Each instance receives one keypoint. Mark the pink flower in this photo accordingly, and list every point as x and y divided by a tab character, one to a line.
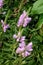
24	19
21	47
22	44
20	50
29	47
27	20
22	38
26	53
18	37
1	3
20	22
24	50
15	36
5	26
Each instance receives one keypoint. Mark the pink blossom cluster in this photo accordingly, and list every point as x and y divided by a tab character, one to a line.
23	19
1	3
5	26
18	37
24	50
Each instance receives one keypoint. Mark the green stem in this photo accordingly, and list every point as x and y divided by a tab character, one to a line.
21	30
15	45
0	11
21	4
28	11
20	61
7	16
35	30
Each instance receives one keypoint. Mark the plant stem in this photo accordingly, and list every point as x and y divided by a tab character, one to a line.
20	61
28	11
7	16
35	30
21	4
14	46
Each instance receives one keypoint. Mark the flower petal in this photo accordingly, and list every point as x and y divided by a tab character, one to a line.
21	19
22	38
21	45
19	50
29	47
1	3
15	36
25	54
26	21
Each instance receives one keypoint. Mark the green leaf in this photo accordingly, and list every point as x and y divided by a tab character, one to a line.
37	7
40	22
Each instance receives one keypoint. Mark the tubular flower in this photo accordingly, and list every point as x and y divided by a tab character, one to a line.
1	3
5	26
24	50
23	20
18	37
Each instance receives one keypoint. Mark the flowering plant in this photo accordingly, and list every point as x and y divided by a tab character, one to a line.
21	32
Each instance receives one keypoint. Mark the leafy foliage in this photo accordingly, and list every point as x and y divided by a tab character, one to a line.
37	7
33	32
